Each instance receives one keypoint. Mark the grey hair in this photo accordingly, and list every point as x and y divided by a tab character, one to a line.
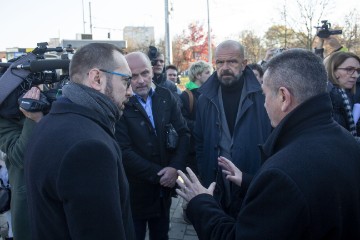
300	71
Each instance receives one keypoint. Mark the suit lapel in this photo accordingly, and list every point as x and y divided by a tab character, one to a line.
158	103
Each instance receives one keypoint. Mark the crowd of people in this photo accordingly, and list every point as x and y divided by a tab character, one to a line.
266	150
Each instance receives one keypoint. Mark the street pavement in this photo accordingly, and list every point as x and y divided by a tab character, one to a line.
179	230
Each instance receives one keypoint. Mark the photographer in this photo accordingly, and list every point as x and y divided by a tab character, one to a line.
328	45
325	40
14	137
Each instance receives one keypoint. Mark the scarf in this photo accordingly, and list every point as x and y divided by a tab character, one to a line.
93	99
348	110
191	85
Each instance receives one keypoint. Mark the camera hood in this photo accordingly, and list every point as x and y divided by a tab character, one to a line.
13	77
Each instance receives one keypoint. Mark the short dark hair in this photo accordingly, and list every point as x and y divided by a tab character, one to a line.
99	55
300	71
257	67
173	67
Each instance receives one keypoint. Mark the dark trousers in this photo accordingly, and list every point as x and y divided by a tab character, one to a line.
158	226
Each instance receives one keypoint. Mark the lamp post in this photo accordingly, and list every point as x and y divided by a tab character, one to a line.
209	37
168	48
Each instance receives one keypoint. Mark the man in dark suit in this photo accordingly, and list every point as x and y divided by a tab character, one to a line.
309	184
150	165
77	188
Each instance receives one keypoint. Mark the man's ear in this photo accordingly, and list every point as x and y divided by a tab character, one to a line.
94	79
287	100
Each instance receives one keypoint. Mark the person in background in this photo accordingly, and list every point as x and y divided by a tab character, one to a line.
230	121
328	46
158	64
4	177
172	75
77	187
270	53
151	117
343	69
258	71
292	195
14	136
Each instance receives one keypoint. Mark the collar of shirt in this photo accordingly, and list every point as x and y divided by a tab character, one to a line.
147	105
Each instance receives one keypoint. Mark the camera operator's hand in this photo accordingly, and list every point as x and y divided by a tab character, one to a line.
331	42
33	93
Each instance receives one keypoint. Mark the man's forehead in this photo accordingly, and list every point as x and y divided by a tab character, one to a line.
161	56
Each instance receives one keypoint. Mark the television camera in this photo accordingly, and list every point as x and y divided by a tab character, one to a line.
33	69
324	30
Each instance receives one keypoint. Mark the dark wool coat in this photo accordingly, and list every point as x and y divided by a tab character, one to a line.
251	129
145	154
308	188
77	188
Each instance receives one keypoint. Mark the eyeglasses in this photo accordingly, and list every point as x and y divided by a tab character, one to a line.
127	78
351	70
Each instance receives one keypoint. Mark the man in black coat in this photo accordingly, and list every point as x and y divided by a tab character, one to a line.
77	188
150	166
309	185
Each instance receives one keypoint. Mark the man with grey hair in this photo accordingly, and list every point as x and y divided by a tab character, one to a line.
309	184
231	121
77	188
151	165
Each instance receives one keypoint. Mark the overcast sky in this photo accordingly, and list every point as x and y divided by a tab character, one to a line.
27	22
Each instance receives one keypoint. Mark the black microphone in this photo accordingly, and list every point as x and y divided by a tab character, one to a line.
42	65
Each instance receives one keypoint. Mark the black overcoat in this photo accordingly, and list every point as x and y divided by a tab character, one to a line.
308	187
77	188
144	150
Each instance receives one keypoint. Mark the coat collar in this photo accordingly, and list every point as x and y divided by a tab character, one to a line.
64	105
312	113
210	87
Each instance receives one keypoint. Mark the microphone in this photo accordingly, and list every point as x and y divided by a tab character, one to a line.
6	65
42	65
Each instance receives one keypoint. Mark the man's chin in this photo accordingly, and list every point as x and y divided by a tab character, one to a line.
227	81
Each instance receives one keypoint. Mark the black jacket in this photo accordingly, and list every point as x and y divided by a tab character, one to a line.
308	187
77	188
145	153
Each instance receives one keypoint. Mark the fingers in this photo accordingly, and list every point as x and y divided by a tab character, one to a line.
192	175
181	194
184	177
33	93
211	188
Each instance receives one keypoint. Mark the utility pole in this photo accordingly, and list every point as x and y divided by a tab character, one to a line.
90	17
209	35
83	15
168	47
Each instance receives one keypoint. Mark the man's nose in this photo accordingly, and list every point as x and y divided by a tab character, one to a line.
129	91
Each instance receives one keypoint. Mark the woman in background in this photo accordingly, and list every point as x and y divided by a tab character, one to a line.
343	69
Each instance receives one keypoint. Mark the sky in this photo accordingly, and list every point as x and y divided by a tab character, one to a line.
27	22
